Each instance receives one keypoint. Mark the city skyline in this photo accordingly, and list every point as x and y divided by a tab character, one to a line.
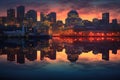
50	25
61	49
86	9
59	39
15	12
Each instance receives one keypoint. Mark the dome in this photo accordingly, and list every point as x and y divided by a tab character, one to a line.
73	13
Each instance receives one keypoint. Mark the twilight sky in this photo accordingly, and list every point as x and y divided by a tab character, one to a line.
88	9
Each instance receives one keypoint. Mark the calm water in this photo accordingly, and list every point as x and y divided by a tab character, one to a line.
89	58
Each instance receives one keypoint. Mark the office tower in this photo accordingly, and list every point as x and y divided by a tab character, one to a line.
11	14
20	58
105	18
43	17
95	21
31	15
105	55
114	22
10	56
20	13
52	17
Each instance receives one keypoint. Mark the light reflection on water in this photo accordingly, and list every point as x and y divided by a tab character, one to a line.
67	58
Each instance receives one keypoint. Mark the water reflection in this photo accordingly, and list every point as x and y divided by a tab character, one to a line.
60	49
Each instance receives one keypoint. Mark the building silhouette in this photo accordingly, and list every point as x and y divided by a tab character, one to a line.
43	17
21	57
72	52
10	15
49	48
20	13
31	55
3	20
105	55
10	56
105	18
31	16
96	22
51	54
72	19
114	22
52	17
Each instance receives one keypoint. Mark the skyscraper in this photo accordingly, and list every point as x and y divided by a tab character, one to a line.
20	13
95	21
43	17
105	18
11	56
20	57
105	55
3	20
11	14
114	22
52	17
31	15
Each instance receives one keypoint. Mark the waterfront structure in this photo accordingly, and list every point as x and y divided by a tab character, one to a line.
13	31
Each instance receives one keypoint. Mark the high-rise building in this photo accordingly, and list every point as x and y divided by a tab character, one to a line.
95	21
31	15
114	22
105	18
52	17
3	20
20	13
105	55
43	17
10	56
11	14
20	57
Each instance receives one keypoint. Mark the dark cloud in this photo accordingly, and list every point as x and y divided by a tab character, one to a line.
77	4
62	4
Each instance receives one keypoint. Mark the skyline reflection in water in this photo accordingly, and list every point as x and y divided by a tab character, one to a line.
69	55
